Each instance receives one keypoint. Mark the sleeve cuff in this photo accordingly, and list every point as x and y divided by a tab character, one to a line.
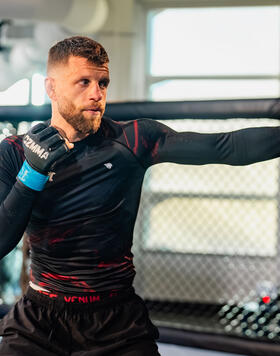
31	178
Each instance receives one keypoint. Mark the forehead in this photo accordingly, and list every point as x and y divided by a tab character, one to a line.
79	66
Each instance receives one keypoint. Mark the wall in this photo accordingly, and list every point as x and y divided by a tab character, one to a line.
123	36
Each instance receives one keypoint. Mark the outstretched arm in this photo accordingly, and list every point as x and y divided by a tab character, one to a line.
241	147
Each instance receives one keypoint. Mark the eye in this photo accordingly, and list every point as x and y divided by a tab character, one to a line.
84	81
104	83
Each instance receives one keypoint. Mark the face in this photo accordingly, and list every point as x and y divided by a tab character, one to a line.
79	93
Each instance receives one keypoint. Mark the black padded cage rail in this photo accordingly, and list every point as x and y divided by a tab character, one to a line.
208	109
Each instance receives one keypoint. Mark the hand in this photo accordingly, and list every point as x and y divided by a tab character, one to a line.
43	146
62	133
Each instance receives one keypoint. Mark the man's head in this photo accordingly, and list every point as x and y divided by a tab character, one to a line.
77	80
77	46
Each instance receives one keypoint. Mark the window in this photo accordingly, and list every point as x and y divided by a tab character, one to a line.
16	94
213	53
23	90
38	94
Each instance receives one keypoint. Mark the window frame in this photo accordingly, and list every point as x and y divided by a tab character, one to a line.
155	6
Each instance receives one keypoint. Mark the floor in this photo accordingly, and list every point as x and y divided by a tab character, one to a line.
173	350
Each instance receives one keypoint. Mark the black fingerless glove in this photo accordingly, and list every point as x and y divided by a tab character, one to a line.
43	146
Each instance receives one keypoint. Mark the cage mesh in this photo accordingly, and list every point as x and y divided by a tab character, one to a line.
206	243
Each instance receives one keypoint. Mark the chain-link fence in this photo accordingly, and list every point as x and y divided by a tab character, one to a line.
206	242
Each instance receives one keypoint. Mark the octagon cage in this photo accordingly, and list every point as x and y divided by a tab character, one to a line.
206	240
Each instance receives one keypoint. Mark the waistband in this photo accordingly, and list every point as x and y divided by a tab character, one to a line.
89	300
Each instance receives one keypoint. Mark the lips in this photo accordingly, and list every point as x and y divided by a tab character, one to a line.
92	109
94	112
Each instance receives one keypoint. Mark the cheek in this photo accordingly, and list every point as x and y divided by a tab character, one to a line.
71	100
104	98
62	95
65	104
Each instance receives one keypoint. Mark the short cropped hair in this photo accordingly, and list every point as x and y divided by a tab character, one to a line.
78	46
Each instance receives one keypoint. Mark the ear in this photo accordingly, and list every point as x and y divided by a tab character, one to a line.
50	88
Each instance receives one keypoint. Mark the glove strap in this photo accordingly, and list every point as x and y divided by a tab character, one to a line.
31	178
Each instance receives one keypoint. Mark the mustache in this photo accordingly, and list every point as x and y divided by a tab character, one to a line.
95	108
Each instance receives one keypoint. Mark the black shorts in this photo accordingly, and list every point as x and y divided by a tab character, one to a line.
39	325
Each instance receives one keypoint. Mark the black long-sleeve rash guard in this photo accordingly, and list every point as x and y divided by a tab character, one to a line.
80	226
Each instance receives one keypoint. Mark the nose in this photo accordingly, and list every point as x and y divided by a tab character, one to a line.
95	92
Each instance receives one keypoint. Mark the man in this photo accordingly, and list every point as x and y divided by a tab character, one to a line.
73	185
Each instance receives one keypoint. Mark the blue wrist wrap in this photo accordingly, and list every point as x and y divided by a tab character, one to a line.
31	178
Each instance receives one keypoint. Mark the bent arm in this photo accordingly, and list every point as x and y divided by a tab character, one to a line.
241	147
16	199
15	208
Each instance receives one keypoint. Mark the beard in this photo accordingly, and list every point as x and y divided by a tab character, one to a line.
75	117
